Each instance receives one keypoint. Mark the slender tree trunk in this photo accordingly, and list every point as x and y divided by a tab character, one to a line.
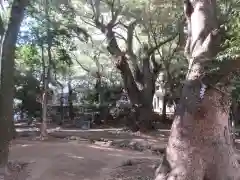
61	107
70	102
232	119
99	89
44	110
7	80
22	111
45	75
164	109
200	147
45	95
102	109
48	77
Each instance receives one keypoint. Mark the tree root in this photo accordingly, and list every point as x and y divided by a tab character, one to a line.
163	169
195	171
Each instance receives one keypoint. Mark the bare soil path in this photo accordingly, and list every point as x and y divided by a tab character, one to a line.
69	155
64	160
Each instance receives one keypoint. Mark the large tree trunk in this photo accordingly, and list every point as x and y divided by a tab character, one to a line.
144	118
199	147
145	106
141	99
7	80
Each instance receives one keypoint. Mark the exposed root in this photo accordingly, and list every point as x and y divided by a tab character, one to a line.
196	170
162	172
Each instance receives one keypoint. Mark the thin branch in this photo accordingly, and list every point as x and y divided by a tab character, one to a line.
96	15
122	24
171	54
114	11
225	17
155	41
111	4
130	35
80	64
153	30
136	36
120	36
153	49
225	70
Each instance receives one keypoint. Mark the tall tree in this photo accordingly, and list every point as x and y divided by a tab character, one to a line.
199	146
139	66
51	31
47	72
9	36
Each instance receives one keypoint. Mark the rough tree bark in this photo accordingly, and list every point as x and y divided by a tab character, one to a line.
7	80
199	147
142	99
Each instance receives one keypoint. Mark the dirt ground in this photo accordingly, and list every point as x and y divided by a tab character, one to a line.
71	160
119	138
73	154
99	154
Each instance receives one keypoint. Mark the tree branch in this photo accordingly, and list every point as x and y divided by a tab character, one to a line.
130	35
114	12
96	15
171	54
153	49
133	57
113	47
118	35
80	64
128	79
138	39
79	30
224	71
